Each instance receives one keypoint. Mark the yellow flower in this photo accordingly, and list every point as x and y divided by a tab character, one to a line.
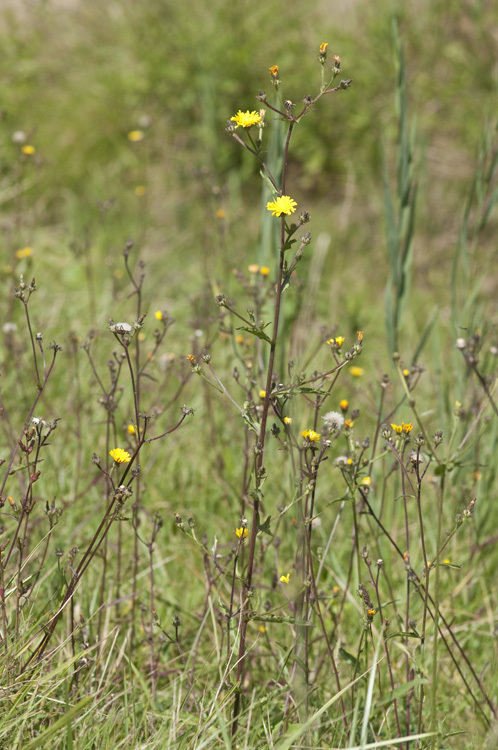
398	428
136	135
24	253
407	428
242	532
274	71
360	335
158	315
120	456
370	612
349	423
367	481
220	213
239	339
406	372
264	270
344	404
447	561
323	49
339	340
262	393
311	435
140	190
285	579
253	268
28	150
131	429
262	629
356	372
287	420
246	119
282	205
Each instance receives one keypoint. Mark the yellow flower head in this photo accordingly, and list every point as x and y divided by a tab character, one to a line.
447	561
242	532
158	315
24	253
407	428
344	404
360	335
274	71
220	213
253	268
311	435
398	428
246	119
262	629
264	270
239	339
285	579
366	481
349	423
131	429
136	135
287	420
406	372
356	372
28	150
262	393
140	190
323	49
339	340
282	205
120	456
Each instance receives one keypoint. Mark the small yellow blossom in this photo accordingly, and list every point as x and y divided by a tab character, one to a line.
406	427
370	612
253	268
140	190
406	373
246	119
311	435
344	404
429	563
398	428
360	335
285	579
239	339
323	49
350	460
476	475
283	204
264	270
274	71
158	315
120	456
367	481
131	429
447	561
220	213
339	340
287	420
262	393
11	500
242	532
135	136
28	150
356	372
349	423
262	629
191	359
25	252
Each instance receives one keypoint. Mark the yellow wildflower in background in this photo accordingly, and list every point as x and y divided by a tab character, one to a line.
344	404
349	423
242	532
262	393
220	213
239	339
288	420
323	49
397	428
285	579
274	71
311	435
136	135
246	119
253	268
366	481
356	372
140	190
120	456
158	315
131	429
25	252
282	205
264	270
28	150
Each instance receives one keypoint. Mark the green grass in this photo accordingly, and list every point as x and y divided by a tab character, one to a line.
155	597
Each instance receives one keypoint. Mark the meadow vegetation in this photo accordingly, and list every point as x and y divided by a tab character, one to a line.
248	360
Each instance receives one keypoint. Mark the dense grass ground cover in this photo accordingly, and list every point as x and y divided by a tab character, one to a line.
143	619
